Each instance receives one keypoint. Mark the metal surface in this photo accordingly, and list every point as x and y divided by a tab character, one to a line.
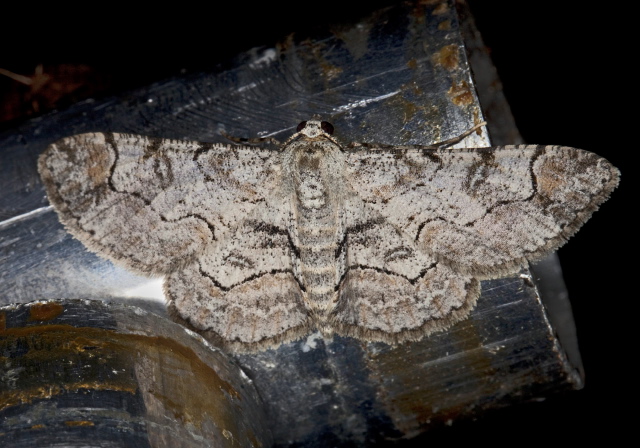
79	372
400	75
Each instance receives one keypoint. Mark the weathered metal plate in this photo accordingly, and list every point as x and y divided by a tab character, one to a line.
80	372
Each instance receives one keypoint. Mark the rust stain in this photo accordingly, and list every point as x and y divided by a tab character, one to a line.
412	63
409	109
79	423
197	392
442	8
356	38
448	57
38	426
418	11
445	25
45	311
330	71
315	51
425	396
460	94
29	394
253	439
3	321
404	105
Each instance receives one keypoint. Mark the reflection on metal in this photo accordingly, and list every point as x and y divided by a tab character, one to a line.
400	75
80	371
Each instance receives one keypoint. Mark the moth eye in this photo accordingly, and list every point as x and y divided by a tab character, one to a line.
301	126
327	127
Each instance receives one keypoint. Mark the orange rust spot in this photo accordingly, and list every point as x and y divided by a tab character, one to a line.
38	426
316	50
442	8
45	311
79	423
330	71
460	94
412	63
444	25
418	10
3	321
448	57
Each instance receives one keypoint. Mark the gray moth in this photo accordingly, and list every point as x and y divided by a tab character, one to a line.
261	246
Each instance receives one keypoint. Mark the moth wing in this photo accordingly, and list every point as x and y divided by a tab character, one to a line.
483	211
153	205
245	292
392	290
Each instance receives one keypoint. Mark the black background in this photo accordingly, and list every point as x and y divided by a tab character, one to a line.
566	73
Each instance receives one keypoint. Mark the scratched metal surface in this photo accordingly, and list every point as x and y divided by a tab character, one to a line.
85	373
400	75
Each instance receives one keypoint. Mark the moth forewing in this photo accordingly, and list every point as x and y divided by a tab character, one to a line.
380	243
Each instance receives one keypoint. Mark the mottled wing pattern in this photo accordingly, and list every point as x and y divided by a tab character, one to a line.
483	211
392	290
244	290
415	229
154	205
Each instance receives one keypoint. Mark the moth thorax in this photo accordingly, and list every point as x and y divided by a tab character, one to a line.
311	182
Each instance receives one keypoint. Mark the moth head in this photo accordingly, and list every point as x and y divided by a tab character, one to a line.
315	128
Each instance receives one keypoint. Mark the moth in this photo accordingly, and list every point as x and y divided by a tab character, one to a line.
261	246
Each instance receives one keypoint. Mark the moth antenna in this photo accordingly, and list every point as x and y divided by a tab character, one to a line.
250	141
459	138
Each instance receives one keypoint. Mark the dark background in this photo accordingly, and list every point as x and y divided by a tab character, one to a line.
564	74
